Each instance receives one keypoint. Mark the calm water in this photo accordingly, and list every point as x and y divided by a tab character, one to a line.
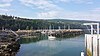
58	47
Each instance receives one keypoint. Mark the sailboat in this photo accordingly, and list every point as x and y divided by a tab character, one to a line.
50	31
50	37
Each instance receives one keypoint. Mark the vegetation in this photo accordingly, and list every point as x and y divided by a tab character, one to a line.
89	53
15	23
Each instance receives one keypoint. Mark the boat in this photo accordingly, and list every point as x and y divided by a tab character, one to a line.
50	37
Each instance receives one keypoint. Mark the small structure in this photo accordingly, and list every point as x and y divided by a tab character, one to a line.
92	42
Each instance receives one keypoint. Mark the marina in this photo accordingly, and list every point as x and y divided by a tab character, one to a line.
49	27
13	43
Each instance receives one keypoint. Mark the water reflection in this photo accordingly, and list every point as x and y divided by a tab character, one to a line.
31	40
41	46
44	37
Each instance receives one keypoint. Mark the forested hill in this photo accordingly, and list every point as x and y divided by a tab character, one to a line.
15	23
72	21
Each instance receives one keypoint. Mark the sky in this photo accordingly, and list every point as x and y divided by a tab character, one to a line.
52	9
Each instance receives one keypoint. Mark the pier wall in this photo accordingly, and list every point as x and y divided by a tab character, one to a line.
92	44
53	32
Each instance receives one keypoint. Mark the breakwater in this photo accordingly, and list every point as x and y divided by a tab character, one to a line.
9	44
56	32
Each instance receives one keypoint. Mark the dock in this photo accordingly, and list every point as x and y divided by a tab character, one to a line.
92	41
55	32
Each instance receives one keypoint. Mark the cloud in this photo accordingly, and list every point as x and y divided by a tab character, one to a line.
40	4
5	5
49	9
5	10
64	1
49	15
75	1
68	15
96	10
81	16
6	1
90	2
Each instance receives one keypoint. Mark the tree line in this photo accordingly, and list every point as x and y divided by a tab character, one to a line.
15	23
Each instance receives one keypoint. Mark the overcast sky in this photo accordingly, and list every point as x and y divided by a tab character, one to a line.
58	9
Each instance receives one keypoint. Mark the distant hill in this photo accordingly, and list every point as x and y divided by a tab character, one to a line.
71	21
15	23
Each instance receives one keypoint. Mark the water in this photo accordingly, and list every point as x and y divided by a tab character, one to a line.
58	47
